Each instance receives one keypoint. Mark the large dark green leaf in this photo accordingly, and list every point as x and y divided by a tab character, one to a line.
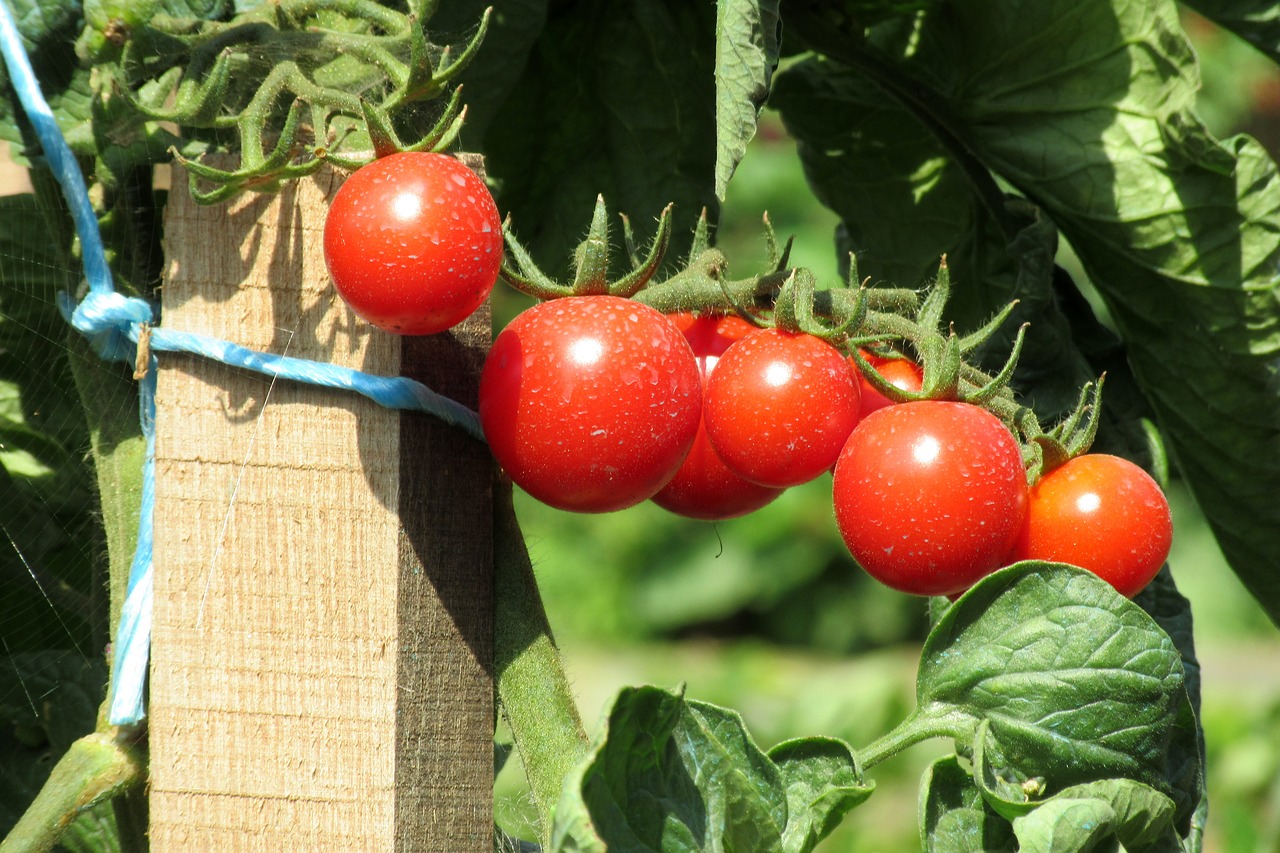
1074	683
487	82
617	99
49	29
674	775
1085	108
904	201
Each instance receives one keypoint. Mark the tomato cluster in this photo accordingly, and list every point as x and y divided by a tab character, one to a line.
595	403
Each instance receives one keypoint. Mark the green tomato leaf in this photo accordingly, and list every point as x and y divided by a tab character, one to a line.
671	774
1141	818
616	99
746	53
1173	613
1074	682
823	784
1110	814
904	201
48	29
953	816
514	27
868	12
1144	816
1067	826
45	484
1085	107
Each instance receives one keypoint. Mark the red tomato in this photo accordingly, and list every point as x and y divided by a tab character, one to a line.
590	403
413	242
930	496
779	406
704	488
901	373
1101	513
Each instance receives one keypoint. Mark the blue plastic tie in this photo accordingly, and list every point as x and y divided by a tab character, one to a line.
114	324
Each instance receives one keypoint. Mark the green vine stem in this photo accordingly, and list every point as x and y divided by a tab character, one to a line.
915	729
533	690
97	767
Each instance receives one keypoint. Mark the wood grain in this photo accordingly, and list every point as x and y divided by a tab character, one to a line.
321	665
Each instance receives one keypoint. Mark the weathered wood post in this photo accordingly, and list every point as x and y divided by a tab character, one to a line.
322	657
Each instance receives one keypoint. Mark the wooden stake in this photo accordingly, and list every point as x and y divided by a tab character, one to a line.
322	656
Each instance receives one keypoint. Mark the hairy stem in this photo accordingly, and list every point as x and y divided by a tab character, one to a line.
915	729
97	767
533	691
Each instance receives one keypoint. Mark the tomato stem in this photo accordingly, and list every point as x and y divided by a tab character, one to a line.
96	768
532	689
916	728
204	73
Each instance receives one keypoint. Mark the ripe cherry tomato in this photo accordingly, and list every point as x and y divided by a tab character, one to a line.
590	403
930	496
413	242
1101	513
704	488
901	373
779	406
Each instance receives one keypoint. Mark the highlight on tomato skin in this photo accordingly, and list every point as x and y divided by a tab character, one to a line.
413	242
1101	513
704	488
930	496
590	403
780	406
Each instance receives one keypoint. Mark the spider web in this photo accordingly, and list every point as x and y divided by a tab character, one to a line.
54	604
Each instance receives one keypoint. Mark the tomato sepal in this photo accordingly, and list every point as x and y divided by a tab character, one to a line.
590	262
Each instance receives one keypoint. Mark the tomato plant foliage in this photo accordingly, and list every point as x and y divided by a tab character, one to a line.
988	131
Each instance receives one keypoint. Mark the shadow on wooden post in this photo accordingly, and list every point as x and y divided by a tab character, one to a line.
322	656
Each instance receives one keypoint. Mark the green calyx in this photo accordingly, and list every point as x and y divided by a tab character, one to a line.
219	82
855	318
1071	437
591	261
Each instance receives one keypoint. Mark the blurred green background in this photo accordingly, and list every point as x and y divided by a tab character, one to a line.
768	614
